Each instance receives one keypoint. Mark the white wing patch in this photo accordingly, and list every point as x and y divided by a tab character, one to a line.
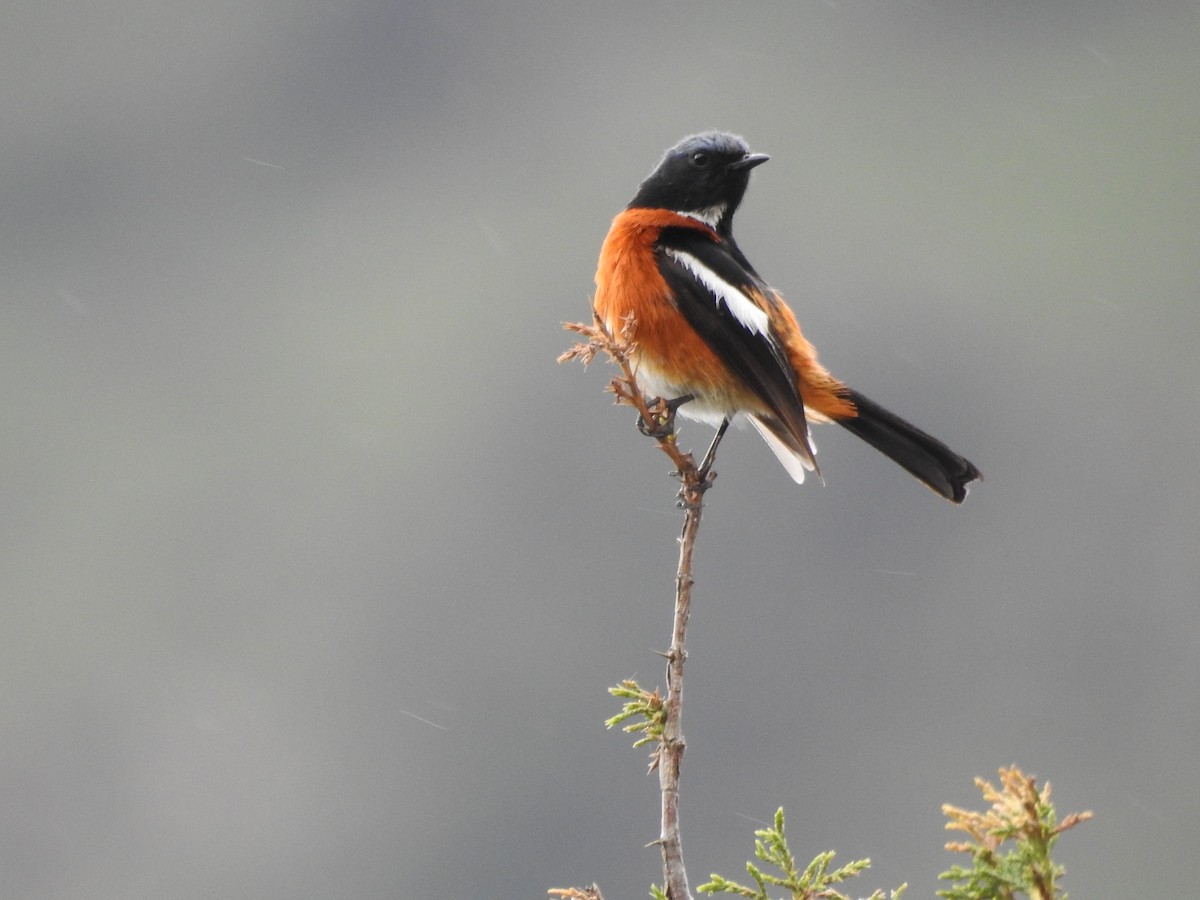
744	309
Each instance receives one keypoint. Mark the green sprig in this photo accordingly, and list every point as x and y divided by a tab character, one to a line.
771	847
641	703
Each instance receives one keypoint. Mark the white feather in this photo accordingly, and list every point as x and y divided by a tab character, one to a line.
744	309
792	461
654	383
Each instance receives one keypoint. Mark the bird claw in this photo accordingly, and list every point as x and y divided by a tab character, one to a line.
662	415
704	482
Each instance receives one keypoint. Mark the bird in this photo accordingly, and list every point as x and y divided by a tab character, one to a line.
713	341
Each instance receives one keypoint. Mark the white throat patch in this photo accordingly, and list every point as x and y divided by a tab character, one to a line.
710	216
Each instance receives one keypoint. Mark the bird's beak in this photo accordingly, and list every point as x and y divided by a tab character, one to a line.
749	161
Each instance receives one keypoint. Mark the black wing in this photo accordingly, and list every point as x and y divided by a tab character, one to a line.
716	294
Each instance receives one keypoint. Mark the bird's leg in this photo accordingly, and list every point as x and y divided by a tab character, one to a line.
710	455
704	474
662	424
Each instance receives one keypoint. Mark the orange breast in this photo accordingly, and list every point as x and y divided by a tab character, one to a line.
670	355
628	283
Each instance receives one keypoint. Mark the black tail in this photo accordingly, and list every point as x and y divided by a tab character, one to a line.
931	461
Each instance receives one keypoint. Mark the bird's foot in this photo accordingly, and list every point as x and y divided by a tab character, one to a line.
662	416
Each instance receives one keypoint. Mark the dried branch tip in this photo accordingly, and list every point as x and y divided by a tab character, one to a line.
588	893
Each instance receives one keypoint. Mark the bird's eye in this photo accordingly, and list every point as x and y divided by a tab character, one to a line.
700	159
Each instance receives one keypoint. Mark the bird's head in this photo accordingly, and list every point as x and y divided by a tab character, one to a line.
703	176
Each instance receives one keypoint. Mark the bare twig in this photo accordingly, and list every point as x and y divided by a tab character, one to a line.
670	752
695	481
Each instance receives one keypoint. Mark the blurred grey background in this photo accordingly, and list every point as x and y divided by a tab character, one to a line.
316	566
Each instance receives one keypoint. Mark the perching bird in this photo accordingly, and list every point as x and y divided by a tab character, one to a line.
714	340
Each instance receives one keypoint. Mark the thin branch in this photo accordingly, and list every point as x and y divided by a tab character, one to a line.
670	752
668	756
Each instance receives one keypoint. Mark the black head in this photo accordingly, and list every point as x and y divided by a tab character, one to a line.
704	176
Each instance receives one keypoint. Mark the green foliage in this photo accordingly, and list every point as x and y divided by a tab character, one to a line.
641	703
1010	843
771	848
